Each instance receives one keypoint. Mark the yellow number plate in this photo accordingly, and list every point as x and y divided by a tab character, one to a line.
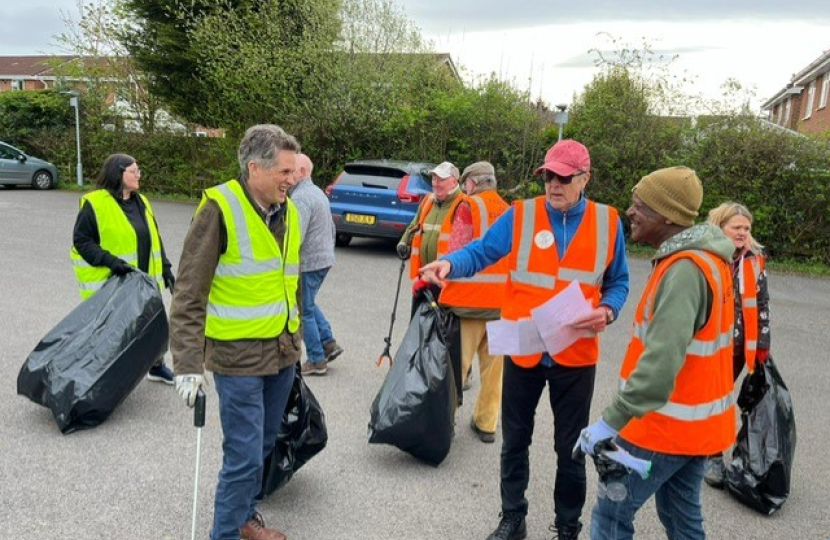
360	218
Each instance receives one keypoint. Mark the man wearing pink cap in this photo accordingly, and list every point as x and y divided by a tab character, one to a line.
550	241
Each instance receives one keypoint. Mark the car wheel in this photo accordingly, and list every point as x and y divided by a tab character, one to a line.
42	180
342	239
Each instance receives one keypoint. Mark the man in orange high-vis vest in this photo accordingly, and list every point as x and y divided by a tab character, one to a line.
549	242
674	406
478	299
439	221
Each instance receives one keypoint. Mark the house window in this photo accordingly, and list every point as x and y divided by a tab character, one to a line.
17	84
825	88
787	112
811	95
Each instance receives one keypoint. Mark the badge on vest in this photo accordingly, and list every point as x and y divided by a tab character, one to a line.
543	239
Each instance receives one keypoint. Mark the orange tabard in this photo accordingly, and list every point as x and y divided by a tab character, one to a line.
699	418
484	290
750	270
536	273
444	232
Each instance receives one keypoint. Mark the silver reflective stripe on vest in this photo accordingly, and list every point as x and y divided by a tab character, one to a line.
91	285
292	270
483	214
750	302
696	346
540	279
692	413
431	227
246	312
247	266
482	278
751	344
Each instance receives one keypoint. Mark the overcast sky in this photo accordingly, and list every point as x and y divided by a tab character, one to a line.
542	45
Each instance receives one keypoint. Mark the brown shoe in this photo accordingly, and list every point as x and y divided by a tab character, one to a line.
314	369
255	529
332	350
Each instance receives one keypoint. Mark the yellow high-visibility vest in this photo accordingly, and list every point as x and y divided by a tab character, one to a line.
253	294
119	238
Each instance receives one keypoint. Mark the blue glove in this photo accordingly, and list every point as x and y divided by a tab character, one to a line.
591	435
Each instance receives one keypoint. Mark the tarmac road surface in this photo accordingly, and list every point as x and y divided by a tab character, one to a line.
132	476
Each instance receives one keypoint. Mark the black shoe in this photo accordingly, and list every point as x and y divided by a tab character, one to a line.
511	527
714	472
564	532
483	436
161	373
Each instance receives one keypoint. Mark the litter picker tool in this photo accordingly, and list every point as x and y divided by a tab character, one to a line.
199	422
385	355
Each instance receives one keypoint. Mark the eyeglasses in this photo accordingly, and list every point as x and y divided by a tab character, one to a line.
135	171
549	176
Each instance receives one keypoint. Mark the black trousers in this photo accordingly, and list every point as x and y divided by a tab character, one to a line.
570	390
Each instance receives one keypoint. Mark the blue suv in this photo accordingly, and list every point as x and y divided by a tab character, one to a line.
377	198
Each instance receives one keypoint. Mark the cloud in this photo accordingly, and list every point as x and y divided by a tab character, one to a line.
481	15
29	30
659	56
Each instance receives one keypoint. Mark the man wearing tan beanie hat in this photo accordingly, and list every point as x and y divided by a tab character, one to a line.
675	404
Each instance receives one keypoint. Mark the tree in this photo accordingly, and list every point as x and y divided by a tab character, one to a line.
112	84
158	39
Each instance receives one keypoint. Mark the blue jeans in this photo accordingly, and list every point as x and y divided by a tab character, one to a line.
316	329
251	410
675	483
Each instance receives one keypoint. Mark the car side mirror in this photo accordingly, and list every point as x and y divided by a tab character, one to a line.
22	158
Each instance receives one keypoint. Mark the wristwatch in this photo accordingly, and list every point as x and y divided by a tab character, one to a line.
609	315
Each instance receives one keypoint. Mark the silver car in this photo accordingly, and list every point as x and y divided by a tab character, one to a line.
20	169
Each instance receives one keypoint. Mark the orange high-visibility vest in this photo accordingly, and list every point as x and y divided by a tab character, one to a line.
699	417
748	274
484	290
536	272
444	232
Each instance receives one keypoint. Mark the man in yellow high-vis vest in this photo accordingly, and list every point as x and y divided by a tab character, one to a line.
235	311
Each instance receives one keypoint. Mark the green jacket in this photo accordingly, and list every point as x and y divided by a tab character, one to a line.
681	308
436	216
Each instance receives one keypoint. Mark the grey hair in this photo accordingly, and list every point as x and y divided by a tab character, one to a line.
483	181
261	145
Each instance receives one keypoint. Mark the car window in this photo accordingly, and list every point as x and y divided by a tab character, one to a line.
418	183
372	177
7	153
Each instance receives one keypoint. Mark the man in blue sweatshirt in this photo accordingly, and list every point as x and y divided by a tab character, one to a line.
550	241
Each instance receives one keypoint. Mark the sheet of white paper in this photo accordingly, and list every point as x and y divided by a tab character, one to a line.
553	319
513	337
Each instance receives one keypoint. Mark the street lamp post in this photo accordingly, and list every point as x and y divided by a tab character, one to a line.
561	117
73	102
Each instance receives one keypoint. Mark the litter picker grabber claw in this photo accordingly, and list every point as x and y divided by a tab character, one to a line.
385	355
199	422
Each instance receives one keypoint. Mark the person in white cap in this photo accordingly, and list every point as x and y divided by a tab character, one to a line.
442	223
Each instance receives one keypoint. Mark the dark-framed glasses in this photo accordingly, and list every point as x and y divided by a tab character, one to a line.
549	176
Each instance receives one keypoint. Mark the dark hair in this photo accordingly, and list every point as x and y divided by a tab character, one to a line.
112	171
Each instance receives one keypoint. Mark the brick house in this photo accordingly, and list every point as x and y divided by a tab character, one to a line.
804	104
29	72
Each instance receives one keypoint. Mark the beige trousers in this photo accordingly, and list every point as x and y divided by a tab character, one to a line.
488	403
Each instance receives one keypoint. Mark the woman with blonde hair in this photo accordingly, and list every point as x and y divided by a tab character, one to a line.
752	335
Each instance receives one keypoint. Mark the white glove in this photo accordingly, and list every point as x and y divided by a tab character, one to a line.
188	385
591	435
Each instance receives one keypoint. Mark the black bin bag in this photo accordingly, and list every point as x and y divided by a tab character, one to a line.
759	474
415	406
302	436
91	361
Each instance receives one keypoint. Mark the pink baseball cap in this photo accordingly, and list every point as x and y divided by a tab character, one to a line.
565	158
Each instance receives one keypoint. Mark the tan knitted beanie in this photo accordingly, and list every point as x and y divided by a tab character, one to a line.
675	193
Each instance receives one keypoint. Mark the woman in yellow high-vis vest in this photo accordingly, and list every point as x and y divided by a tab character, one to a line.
749	278
116	232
